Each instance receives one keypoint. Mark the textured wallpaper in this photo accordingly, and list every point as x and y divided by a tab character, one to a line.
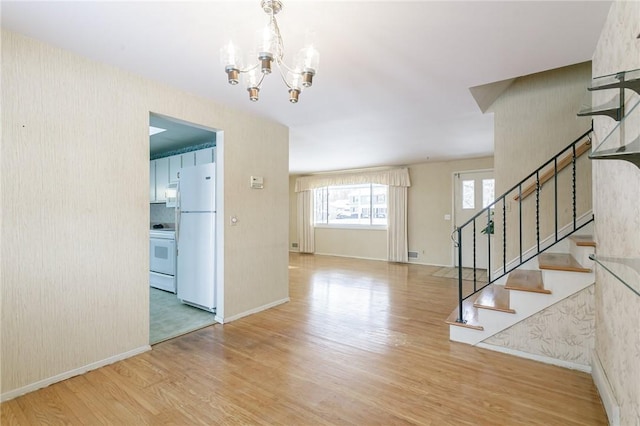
563	331
617	212
85	299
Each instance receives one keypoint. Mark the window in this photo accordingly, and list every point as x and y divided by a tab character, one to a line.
364	204
468	194
488	191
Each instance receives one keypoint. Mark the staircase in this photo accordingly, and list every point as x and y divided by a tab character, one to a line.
552	269
541	282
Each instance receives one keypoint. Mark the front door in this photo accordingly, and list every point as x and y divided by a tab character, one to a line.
472	192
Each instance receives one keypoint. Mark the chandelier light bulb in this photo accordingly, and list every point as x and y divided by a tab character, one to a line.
253	79
308	60
270	56
230	56
294	81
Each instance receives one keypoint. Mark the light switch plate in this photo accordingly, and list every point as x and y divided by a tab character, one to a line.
257	182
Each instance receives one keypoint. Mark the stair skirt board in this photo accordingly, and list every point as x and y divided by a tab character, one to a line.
562	285
536	357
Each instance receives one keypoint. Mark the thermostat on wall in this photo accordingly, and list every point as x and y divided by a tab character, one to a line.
257	182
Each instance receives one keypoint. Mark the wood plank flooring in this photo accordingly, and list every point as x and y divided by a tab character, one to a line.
361	343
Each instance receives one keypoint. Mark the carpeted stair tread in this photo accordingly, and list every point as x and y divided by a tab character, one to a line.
470	315
496	298
560	262
526	280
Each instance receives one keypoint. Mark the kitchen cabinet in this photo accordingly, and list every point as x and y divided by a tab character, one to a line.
152	181
162	178
188	159
205	156
175	164
163	171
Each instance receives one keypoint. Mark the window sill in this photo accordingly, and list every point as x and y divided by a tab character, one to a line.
352	226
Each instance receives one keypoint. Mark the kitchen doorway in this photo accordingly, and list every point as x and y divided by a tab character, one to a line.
173	146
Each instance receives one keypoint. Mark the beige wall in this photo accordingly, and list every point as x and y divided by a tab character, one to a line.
362	243
617	209
534	119
430	197
75	209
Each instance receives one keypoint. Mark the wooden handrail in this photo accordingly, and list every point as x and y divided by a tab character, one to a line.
550	172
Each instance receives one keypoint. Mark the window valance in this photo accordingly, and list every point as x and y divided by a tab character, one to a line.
391	177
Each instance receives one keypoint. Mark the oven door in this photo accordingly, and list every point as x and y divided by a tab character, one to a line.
162	256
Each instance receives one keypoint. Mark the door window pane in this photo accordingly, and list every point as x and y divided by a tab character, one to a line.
488	191
468	194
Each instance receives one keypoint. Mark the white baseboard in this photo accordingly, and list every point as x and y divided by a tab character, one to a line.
534	357
71	373
251	311
351	257
415	262
605	391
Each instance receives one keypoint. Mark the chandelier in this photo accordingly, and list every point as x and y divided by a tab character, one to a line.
270	50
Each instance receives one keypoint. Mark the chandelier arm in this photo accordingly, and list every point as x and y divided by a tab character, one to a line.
259	85
282	76
293	70
246	70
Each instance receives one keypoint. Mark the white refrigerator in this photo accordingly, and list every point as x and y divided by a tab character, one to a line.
195	236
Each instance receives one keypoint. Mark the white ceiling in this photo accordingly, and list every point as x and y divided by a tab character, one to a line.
393	82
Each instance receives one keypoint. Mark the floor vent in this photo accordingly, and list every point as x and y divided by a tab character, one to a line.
294	245
413	255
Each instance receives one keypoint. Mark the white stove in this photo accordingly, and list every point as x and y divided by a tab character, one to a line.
162	259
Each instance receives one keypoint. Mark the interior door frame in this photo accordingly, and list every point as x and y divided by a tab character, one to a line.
453	205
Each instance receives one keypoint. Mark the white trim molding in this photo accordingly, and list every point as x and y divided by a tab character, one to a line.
71	373
534	357
604	389
251	311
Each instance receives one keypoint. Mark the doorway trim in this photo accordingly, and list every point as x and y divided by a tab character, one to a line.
453	205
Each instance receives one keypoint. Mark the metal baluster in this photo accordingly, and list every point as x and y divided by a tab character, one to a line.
573	178
460	311
504	235
474	256
538	210
520	218
488	248
555	187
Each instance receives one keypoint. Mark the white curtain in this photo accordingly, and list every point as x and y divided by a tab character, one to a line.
391	177
306	240
397	245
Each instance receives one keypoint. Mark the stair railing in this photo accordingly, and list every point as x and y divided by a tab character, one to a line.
531	184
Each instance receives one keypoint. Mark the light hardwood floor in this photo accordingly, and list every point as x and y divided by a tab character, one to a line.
361	342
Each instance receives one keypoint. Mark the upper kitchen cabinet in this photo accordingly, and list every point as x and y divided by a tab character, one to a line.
175	164
188	159
163	171
162	179
204	156
152	181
